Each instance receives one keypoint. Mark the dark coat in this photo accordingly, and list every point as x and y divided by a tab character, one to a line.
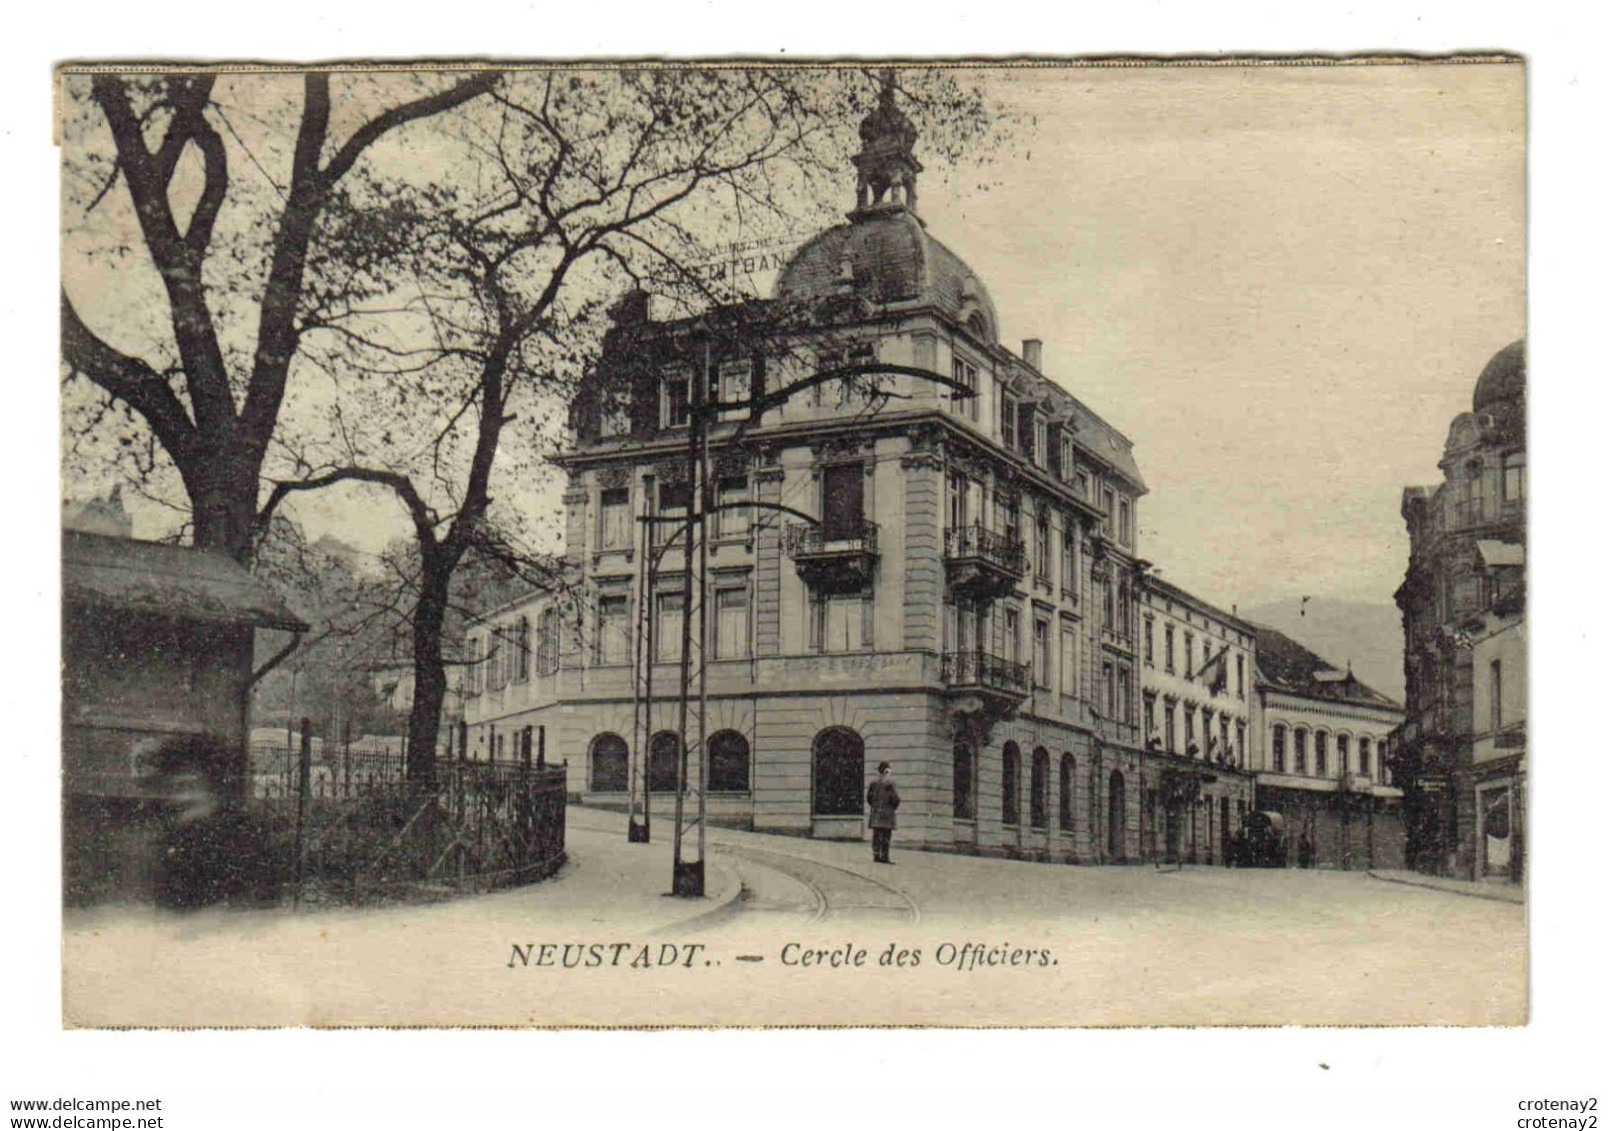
883	797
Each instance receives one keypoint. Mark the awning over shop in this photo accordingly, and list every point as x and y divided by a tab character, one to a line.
1495	553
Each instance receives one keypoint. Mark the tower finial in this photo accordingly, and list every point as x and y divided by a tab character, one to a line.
886	163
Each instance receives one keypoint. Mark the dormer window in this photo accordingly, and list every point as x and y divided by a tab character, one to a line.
673	404
1007	421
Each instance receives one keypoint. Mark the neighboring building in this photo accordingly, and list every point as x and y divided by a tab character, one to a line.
99	516
967	608
1321	757
1197	665
156	642
1460	754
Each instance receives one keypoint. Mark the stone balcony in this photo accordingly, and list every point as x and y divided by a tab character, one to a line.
983	564
1005	682
837	560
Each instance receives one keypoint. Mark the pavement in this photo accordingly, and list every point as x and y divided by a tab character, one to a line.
1502	892
799	931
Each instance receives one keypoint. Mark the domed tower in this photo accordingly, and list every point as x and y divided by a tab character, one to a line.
884	254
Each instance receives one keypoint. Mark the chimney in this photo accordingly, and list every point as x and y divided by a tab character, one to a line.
1033	353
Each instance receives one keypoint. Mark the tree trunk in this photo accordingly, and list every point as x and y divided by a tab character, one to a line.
222	486
429	672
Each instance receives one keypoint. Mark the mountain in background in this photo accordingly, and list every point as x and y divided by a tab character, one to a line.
1365	634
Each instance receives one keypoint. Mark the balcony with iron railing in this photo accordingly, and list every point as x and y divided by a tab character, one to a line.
983	673
983	564
836	557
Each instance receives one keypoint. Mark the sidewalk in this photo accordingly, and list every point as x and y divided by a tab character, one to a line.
607	878
1501	892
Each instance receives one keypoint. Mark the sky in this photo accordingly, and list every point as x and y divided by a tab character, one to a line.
1280	282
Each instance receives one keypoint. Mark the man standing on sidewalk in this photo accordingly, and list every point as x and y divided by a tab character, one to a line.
883	797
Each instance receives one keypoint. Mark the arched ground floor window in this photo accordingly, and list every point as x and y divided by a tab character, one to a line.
609	764
837	780
728	762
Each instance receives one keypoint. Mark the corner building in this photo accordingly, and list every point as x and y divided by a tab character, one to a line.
1460	754
966	609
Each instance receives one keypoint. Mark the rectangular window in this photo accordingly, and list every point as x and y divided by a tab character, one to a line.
1069	559
1239	676
1278	750
732	523
1011	508
1364	758
614	421
1170	724
494	660
1108	690
1107	603
1513	479
1150	718
1069	660
1342	753
667	632
957	502
1041	548
734	385
842	501
616	509
1041	652
1007	422
1124	611
1031	430
1083	484
473	673
522	650
1125	522
1320	754
1300	751
1150	641
1013	636
1189	655
1124	695
1109	498
842	619
1239	742
614	630
673	500
965	374
1170	664
1496	695
731	624
673	407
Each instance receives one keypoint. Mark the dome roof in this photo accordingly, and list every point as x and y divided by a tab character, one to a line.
1503	379
885	256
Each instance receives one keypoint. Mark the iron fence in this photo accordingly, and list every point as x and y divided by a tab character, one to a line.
358	828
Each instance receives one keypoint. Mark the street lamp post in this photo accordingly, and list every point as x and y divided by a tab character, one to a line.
687	875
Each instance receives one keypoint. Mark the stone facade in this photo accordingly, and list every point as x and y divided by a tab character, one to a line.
1462	604
964	603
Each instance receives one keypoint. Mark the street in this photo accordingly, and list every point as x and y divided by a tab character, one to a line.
1110	946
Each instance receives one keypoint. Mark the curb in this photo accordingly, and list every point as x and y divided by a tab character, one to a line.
723	909
1520	902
